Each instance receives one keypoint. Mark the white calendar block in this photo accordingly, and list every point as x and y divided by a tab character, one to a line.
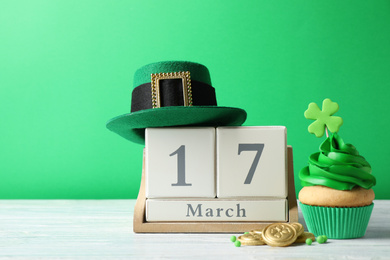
216	210
251	162
180	162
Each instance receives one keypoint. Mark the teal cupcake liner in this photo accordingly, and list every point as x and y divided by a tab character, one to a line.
337	223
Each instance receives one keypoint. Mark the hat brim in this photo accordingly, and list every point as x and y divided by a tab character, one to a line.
132	126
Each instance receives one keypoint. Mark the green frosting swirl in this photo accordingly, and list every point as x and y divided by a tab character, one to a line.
338	165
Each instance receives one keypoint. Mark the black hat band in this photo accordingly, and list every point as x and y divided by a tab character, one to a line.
171	93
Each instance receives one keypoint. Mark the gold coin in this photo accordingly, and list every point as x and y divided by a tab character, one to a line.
302	238
256	233
250	240
299	228
279	234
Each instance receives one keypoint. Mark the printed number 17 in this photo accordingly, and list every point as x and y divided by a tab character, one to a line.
251	147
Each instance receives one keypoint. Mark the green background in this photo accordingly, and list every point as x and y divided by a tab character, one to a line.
66	67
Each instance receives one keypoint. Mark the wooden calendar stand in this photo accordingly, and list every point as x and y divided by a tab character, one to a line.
140	224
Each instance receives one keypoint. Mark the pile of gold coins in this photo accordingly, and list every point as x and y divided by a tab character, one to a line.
276	234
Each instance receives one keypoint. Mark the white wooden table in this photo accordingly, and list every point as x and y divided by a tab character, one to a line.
102	229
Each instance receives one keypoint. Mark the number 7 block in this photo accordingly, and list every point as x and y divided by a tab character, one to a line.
251	162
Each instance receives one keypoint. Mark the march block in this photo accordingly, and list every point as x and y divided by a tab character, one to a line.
160	210
251	162
180	162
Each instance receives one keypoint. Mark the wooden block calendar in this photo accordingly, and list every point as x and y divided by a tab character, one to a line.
189	182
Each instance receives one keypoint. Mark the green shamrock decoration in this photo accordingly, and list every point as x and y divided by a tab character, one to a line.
323	119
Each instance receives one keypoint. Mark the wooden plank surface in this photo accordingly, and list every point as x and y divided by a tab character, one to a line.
102	229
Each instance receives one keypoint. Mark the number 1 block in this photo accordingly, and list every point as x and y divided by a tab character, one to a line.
251	162
180	162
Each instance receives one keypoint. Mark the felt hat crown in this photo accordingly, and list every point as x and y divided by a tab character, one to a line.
173	93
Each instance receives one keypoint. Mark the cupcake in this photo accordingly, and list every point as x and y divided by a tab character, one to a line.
337	197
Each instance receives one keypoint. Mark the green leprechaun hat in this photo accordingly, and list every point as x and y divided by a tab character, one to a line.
173	93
